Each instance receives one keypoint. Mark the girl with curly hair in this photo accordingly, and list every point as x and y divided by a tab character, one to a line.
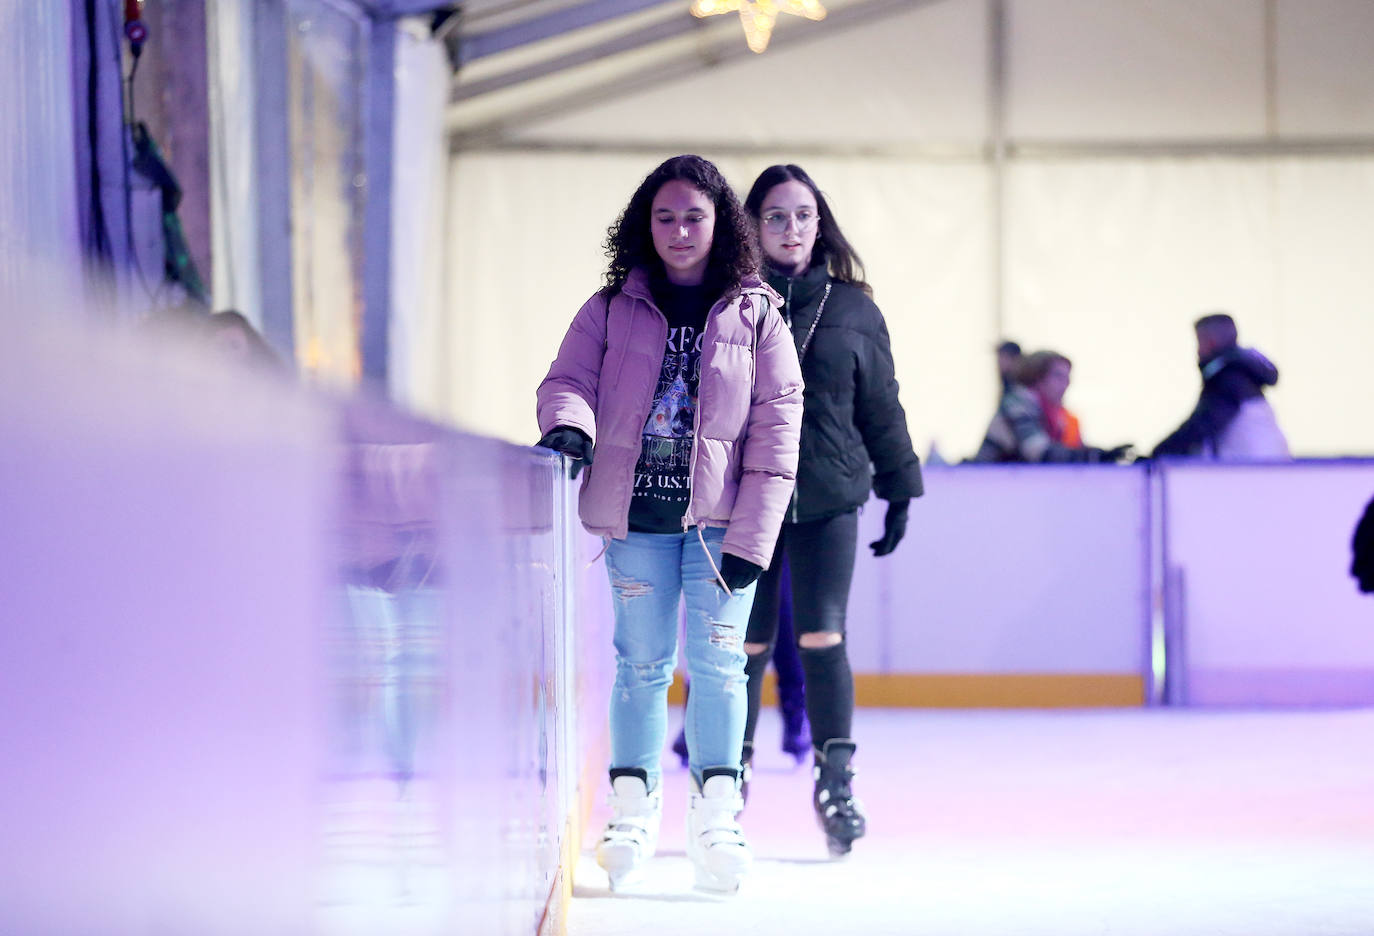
677	387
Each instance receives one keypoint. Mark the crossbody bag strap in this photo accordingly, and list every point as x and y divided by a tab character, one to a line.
806	342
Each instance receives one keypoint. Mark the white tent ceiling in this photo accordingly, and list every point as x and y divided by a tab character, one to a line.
937	73
1074	174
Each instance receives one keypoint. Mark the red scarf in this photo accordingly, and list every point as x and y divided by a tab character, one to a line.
1061	424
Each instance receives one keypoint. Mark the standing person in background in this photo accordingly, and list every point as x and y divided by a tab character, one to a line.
680	378
1232	420
1031	425
1362	551
1008	357
852	420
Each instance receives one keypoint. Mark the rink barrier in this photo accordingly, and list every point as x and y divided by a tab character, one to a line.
1258	606
1185	582
279	661
974	690
264	641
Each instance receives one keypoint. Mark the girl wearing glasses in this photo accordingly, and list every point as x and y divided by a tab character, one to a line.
680	377
852	418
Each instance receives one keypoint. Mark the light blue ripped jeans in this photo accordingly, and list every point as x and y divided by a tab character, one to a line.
650	573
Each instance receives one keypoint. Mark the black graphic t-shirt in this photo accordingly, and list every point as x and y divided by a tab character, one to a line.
662	475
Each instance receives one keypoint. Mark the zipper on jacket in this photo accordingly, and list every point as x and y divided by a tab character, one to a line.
687	519
792	507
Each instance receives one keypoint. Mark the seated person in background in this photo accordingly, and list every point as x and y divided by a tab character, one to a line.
1031	424
1232	419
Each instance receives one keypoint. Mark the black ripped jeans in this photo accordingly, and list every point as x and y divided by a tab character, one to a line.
821	556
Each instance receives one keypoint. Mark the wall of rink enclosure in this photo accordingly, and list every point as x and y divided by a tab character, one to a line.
284	662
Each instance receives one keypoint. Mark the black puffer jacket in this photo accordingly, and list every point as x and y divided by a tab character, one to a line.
852	416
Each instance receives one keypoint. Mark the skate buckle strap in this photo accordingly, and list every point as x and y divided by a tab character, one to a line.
626	829
714	820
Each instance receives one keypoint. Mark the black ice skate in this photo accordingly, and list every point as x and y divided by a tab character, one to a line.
840	815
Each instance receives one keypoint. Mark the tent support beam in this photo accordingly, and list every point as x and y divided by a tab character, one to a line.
725	50
936	152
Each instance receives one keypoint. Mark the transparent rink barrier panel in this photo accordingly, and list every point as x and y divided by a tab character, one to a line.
448	787
275	662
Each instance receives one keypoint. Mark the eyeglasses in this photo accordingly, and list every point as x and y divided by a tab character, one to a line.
776	221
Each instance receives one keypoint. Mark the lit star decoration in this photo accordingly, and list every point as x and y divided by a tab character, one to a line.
758	16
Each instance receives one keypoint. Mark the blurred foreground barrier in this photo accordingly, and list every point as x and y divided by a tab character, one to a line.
276	662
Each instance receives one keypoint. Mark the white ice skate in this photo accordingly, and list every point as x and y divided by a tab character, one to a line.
715	841
631	836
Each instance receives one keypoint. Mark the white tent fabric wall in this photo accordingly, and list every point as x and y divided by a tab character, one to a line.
1147	182
537	257
1109	261
419	176
233	186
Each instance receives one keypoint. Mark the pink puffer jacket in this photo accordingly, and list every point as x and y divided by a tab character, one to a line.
749	410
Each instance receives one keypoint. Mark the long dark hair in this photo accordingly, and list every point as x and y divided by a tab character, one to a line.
832	247
630	244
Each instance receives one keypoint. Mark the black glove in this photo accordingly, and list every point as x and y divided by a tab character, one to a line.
573	443
894	528
737	572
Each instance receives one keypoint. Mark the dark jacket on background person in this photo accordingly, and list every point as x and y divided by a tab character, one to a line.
1232	419
1362	551
851	414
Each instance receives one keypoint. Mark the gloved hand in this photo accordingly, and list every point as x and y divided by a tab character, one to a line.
894	528
738	572
571	442
1116	454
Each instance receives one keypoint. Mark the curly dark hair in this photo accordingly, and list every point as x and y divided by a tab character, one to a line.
734	251
832	247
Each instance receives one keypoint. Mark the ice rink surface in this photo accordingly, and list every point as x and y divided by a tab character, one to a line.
1019	823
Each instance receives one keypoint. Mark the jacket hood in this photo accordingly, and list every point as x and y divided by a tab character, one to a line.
1254	364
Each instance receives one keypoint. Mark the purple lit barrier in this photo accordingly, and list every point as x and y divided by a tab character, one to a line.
275	662
1263	609
1016	585
1196	583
